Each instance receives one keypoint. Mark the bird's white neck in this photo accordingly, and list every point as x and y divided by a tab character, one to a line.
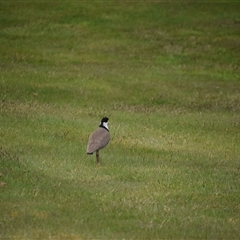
105	124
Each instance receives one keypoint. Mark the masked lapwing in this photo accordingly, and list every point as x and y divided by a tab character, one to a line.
99	139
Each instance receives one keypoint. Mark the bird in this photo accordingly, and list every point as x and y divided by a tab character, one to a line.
99	139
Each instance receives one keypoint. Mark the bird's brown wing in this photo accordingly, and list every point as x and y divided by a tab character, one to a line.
97	140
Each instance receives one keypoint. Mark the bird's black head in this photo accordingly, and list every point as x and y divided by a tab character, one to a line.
104	123
105	119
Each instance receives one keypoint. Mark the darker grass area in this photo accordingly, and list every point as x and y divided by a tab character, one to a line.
118	31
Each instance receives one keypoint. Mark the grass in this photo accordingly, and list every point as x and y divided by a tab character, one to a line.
167	76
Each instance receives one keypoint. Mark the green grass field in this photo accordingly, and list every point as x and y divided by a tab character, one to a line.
166	74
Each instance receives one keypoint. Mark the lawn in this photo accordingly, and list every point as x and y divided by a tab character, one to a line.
166	74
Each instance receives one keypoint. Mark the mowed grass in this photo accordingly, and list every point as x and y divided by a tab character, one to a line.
166	74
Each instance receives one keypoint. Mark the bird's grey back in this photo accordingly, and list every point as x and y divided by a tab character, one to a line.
97	140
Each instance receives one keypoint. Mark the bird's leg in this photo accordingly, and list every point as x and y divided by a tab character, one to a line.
97	156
